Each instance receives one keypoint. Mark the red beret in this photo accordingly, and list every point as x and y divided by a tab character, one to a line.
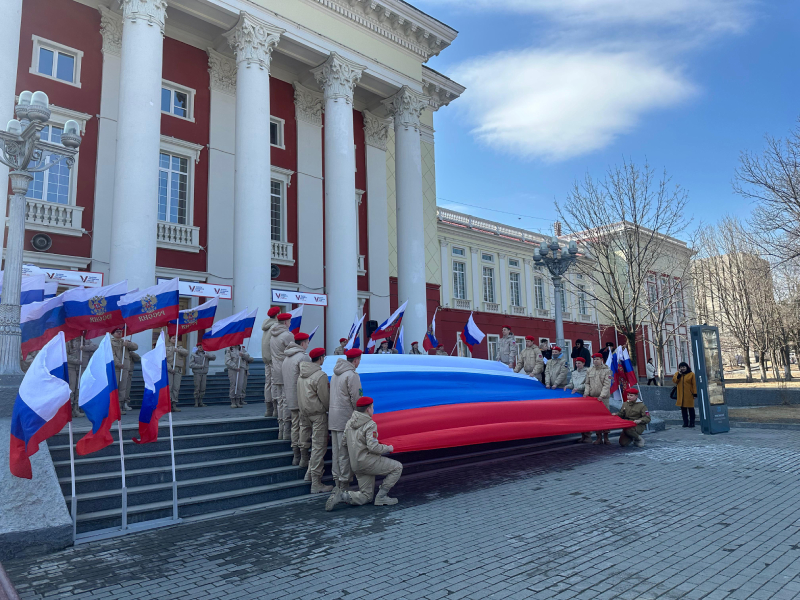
316	353
440	346
580	358
300	337
284	317
342	340
556	349
597	355
507	327
530	338
633	391
353	353
413	343
273	311
364	401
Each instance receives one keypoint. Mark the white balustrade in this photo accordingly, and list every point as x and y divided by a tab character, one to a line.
282	253
362	270
492	307
461	304
518	310
175	236
41	215
543	312
586	318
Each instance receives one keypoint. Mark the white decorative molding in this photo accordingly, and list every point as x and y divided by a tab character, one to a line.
440	90
398	22
281	174
338	77
361	265
111	30
176	146
461	304
222	71
359	197
492	307
153	12
253	40
376	130
444	243
406	106
53	261
282	253
308	105
41	215
175	236
518	310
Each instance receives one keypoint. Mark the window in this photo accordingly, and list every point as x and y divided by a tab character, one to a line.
459	280
684	351
177	100
516	297
493	341
679	307
459	252
276	132
276	211
520	344
52	185
673	361
488	284
582	300
538	284
462	348
173	188
665	291
652	293
567	353
55	61
513	262
487	257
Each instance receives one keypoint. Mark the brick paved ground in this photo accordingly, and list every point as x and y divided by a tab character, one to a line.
689	516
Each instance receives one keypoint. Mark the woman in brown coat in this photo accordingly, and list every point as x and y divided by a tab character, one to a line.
687	392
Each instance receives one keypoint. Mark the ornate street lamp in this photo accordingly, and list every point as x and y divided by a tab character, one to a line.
557	260
25	154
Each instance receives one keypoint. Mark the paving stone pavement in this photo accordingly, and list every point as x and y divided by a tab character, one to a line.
688	516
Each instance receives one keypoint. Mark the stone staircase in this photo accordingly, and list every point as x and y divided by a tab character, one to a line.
217	388
221	465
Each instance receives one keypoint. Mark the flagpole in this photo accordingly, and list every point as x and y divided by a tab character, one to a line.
74	503
174	481
124	487
122	368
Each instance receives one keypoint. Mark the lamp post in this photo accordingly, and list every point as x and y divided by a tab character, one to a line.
558	260
25	154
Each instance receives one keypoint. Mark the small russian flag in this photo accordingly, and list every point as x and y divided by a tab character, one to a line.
297	317
472	336
231	331
156	402
99	399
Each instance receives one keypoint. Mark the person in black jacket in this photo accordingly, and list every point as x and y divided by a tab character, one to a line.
580	351
607	351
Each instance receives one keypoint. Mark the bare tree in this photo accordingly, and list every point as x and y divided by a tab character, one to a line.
772	180
624	223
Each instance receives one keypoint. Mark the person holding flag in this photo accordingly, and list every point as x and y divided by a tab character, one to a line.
415	348
42	407
99	398
156	399
430	342
597	385
176	358
280	340
313	398
440	351
198	363
295	354
122	364
398	347
266	355
384	348
238	362
339	351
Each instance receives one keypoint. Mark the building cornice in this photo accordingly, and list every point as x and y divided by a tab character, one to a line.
440	90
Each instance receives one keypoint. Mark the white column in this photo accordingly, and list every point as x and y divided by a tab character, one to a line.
477	281
376	132
406	107
310	248
9	57
529	288
338	78
252	41
111	29
221	173
503	283
135	212
446	297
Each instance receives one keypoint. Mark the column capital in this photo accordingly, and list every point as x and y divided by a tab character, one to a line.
307	105
406	106
376	130
153	12
474	251
503	256
222	71
338	77
253	41
444	243
111	30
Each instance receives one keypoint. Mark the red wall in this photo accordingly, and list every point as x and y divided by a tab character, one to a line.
361	184
77	26
281	99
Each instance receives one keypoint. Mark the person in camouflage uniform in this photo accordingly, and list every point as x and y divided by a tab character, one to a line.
507	348
530	359
633	410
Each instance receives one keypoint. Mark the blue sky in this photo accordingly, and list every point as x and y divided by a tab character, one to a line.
559	88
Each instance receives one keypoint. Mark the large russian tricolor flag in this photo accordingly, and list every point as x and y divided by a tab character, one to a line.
231	331
390	326
99	399
472	336
95	310
42	407
195	319
152	307
40	322
297	318
156	402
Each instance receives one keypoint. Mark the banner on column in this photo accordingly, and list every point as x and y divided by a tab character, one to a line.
299	298
87	279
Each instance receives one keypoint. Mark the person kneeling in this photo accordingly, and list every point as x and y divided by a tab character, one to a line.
633	410
362	446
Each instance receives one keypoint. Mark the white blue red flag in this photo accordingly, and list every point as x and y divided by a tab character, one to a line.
370	347
156	402
32	288
430	342
390	326
311	335
99	399
50	289
399	343
231	331
472	336
621	368
195	319
40	322
353	340
95	310
152	307
297	317
42	407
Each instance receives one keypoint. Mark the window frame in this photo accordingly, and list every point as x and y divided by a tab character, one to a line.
464	275
583	308
539	293
511	288
489	260
281	123
461	348
40	42
520	339
283	176
190	94
462	250
483	280
191	152
492	341
513	263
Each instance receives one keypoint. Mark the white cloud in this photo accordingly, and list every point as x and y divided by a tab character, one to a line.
557	104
